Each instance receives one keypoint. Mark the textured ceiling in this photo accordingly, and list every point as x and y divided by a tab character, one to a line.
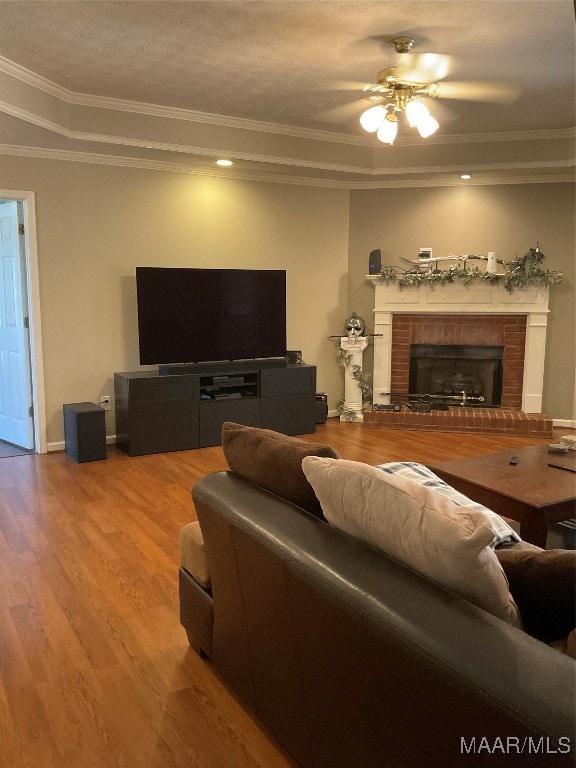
297	64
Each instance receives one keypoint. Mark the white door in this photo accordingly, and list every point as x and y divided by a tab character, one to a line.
16	421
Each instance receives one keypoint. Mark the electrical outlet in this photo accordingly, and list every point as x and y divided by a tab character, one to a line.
105	402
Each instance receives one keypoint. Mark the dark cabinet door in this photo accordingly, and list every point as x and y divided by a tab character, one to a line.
214	414
288	399
163	426
156	413
290	380
292	414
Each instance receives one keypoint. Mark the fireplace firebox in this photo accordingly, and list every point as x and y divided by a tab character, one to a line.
445	370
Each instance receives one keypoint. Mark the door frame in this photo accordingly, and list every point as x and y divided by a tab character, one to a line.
28	200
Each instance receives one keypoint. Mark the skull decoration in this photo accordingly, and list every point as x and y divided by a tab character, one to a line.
354	326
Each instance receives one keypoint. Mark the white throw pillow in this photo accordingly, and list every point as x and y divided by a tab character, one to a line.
419	473
416	526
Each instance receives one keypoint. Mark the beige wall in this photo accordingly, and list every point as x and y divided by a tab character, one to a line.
96	223
476	219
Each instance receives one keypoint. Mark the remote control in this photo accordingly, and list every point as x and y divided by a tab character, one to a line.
514	459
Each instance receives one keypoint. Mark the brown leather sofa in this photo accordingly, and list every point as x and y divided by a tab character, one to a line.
352	660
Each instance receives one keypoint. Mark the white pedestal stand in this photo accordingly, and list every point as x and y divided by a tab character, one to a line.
353	347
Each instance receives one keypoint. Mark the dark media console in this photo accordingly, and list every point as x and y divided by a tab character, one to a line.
178	411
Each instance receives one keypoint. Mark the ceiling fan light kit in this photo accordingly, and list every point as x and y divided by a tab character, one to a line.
427	126
416	112
399	95
378	119
388	129
372	118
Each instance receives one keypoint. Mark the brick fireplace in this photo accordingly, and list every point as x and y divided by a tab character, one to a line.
478	315
507	331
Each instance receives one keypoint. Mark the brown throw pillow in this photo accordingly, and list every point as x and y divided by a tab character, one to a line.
543	585
273	461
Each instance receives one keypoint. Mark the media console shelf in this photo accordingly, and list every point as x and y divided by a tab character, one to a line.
157	413
229	386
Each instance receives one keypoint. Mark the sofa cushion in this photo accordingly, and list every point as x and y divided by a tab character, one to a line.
419	473
543	584
416	526
273	461
192	553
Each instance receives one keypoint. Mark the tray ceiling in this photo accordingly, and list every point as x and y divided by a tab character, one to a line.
182	83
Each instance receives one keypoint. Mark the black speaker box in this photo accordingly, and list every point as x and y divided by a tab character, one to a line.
85	431
375	262
321	407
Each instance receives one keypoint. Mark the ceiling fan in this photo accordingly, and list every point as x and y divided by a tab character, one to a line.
402	88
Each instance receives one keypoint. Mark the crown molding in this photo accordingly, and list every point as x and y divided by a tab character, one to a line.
166	166
548	134
275	160
19	72
177	113
457	182
479	167
99	138
163	165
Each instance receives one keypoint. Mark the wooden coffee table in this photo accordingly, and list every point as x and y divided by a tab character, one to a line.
531	492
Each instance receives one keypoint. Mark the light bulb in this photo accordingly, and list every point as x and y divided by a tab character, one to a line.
388	130
416	112
427	126
372	118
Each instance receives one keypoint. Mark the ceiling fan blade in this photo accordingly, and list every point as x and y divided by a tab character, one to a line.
346	85
344	111
440	111
423	67
499	93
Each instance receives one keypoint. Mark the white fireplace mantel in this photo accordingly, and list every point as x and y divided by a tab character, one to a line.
458	299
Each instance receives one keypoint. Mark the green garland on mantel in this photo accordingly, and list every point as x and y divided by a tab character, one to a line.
522	272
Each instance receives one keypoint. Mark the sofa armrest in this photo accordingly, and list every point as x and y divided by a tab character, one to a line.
196	613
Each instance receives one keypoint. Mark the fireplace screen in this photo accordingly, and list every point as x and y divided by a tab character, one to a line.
448	370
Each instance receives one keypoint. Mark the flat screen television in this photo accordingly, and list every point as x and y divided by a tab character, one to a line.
188	315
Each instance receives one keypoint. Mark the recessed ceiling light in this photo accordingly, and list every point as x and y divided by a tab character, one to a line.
465	176
224	162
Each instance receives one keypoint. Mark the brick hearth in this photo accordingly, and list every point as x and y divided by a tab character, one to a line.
494	421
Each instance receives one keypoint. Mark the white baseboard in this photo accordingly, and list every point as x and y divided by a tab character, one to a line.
568	423
61	445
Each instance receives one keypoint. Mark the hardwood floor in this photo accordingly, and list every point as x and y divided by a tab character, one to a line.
95	670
